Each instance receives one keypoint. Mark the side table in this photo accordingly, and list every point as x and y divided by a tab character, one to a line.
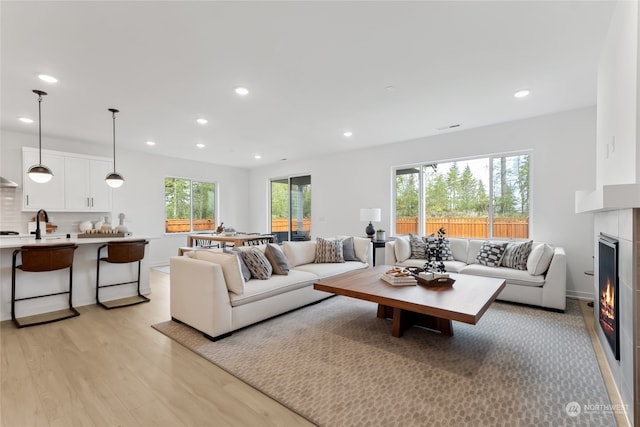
377	244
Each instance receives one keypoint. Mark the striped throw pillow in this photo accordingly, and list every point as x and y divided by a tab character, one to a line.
516	255
328	251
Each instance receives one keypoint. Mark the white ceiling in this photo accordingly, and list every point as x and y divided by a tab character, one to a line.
314	69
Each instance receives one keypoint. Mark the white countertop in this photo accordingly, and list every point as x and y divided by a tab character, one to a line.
13	242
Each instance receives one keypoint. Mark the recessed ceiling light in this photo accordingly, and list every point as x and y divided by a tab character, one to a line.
200	145
348	133
47	78
257	156
202	121
25	119
242	91
151	143
522	93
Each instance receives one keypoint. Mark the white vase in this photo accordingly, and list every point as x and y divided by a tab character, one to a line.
381	235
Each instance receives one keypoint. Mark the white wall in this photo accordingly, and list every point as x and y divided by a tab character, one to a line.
618	117
563	147
618	156
141	197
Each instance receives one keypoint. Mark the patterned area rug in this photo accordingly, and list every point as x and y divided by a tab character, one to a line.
338	365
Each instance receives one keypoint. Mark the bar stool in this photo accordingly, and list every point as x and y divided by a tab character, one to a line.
121	253
42	258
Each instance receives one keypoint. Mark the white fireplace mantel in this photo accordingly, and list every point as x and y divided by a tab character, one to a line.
608	197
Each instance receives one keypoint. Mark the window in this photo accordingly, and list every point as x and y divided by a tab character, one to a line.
189	205
484	197
291	208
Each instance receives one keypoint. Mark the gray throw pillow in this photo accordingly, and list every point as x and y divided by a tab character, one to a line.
517	254
418	247
349	250
491	253
277	259
257	263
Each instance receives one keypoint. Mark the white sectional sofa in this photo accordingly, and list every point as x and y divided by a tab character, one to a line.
209	293
542	283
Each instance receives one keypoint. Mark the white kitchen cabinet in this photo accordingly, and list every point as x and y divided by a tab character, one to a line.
48	195
77	185
85	188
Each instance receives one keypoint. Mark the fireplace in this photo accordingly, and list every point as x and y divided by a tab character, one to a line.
608	314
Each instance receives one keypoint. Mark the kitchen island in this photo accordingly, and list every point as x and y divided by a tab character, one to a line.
84	276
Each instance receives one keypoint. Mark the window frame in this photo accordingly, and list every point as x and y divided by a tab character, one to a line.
289	179
215	209
421	187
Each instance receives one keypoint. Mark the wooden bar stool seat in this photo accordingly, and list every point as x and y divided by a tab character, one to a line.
121	252
39	259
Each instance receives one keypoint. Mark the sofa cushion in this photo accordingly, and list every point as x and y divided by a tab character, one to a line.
256	290
454	266
348	249
298	253
402	248
230	267
328	250
516	255
331	269
459	248
512	276
491	253
276	258
258	263
539	259
473	250
418	247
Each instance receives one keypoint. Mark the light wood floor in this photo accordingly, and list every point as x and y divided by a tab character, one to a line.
110	368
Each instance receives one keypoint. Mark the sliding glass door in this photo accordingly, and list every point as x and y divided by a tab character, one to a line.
291	208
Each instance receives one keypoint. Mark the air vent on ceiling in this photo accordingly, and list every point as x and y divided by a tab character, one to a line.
449	127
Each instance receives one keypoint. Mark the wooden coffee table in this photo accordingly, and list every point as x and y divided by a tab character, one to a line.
435	308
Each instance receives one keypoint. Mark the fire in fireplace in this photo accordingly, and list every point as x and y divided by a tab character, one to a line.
608	291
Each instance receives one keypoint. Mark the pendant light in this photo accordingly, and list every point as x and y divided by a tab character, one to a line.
114	179
40	173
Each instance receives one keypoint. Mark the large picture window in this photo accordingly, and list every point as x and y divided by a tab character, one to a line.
291	208
482	198
189	205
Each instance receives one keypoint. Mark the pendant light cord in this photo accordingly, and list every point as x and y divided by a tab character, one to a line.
113	112
39	129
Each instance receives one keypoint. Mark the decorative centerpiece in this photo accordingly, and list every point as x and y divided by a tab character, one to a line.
434	272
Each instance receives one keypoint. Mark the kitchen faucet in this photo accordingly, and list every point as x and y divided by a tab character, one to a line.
46	219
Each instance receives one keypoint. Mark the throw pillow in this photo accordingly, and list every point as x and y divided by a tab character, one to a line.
230	265
246	274
277	259
402	249
257	263
328	251
418	247
516	255
349	250
299	253
491	253
539	259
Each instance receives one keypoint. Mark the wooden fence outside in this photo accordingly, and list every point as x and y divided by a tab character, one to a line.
516	228
282	224
184	225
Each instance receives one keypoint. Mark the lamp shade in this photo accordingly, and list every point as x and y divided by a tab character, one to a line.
370	214
114	180
40	174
